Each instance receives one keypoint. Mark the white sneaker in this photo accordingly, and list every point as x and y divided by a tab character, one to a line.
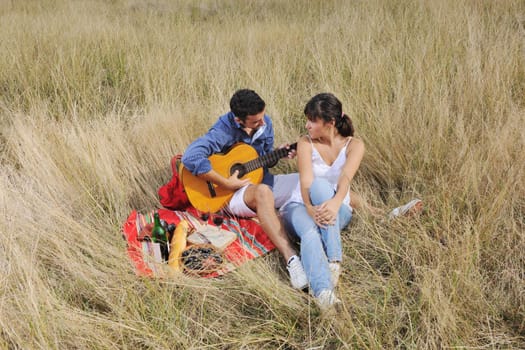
297	275
335	272
415	204
327	299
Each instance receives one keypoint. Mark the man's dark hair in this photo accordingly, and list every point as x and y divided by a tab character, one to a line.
246	102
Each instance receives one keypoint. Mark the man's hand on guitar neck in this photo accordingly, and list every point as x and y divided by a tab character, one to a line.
292	151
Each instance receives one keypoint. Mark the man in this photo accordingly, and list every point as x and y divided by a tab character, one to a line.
248	123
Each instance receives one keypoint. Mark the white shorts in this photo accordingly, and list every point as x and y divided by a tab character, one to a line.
283	186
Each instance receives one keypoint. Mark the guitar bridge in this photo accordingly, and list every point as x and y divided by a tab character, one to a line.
211	189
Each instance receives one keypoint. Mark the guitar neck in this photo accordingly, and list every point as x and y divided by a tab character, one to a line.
268	159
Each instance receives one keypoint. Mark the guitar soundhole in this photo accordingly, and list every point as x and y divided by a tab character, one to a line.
240	167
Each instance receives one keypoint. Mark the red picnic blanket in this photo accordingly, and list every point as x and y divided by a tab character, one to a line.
251	240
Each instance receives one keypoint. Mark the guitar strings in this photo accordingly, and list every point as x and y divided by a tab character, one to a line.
270	157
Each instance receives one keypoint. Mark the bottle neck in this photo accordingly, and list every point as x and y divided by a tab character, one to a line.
156	219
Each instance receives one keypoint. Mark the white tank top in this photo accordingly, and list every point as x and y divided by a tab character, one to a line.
322	170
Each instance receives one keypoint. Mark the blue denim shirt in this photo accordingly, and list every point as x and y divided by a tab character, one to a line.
222	135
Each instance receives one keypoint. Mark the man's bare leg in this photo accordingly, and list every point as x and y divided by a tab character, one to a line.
260	199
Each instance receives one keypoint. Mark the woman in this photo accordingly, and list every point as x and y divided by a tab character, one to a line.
328	158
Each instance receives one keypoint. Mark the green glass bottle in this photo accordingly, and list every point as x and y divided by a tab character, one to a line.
158	235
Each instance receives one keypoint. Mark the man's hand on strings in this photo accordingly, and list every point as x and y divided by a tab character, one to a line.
234	183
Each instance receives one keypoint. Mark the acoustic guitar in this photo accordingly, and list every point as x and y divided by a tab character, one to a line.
209	197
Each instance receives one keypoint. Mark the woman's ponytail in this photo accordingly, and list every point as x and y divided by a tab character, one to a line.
344	125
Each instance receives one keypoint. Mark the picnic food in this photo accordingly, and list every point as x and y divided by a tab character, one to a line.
201	259
178	244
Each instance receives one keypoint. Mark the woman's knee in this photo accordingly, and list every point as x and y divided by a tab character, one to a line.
321	191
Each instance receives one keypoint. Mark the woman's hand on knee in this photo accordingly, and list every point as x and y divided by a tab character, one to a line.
326	213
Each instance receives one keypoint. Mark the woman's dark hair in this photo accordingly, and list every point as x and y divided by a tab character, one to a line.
327	107
246	102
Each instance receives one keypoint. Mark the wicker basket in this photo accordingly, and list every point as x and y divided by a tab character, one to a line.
202	259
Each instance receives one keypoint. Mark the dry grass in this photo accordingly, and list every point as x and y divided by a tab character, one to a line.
96	96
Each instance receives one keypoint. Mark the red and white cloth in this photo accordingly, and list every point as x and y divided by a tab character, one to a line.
251	241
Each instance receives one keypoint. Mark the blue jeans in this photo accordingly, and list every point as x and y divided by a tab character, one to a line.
319	246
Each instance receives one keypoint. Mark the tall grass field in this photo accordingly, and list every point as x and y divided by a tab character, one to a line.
97	96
